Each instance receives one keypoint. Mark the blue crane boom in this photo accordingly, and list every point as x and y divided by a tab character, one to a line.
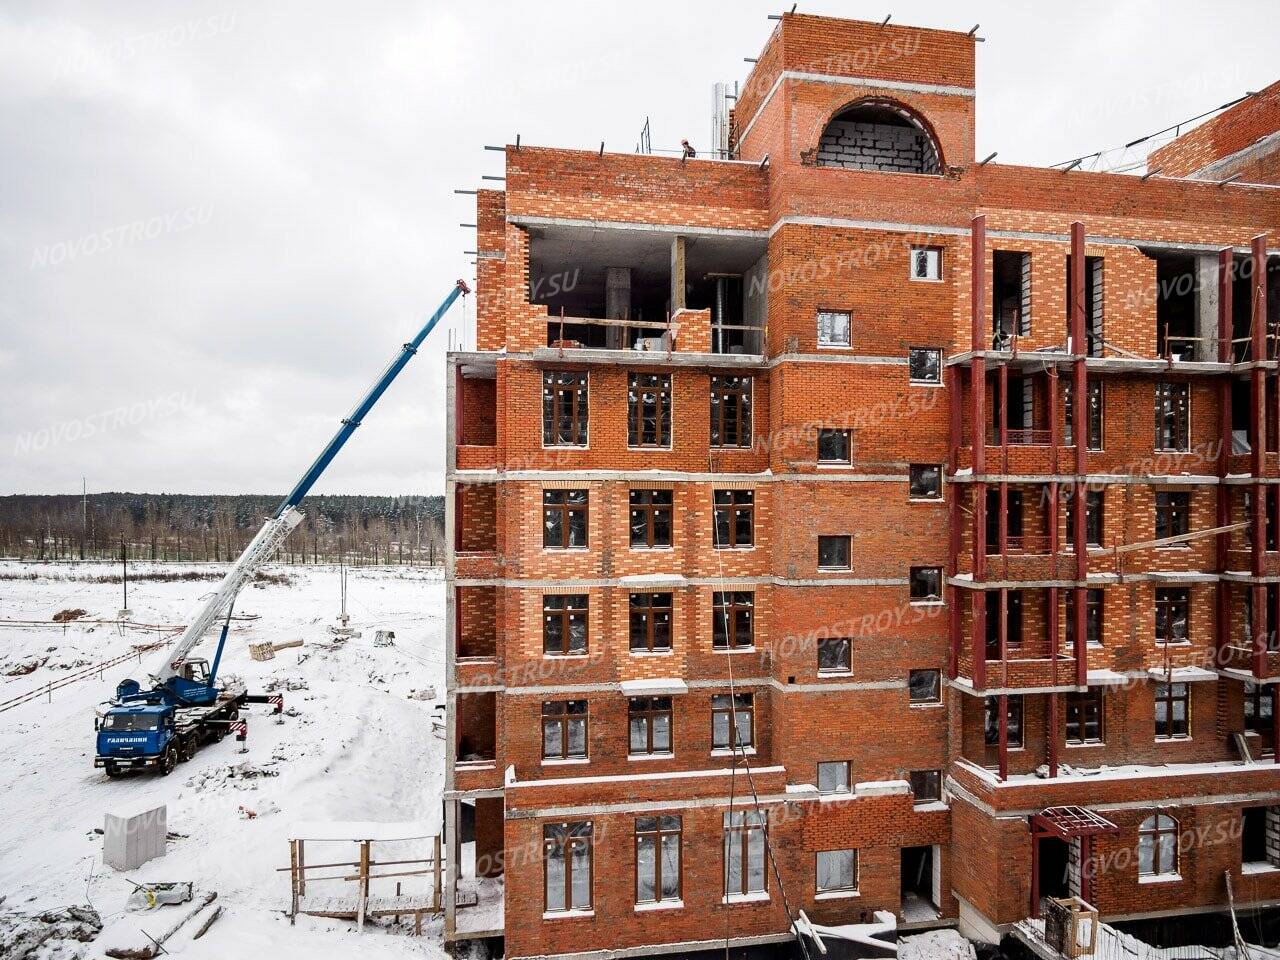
351	422
279	525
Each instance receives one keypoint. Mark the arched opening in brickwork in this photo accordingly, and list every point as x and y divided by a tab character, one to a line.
879	135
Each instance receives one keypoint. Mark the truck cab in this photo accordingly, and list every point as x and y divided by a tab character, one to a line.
135	737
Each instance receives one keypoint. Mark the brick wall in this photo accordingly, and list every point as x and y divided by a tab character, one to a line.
831	246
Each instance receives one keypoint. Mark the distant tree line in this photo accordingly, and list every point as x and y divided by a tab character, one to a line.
199	528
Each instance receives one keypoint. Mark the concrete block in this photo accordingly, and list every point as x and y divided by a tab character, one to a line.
132	835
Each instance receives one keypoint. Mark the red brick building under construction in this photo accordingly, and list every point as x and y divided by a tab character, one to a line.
844	524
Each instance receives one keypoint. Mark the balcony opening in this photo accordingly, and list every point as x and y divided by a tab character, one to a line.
1012	619
1093	305
479	848
477	722
616	289
1011	297
1025	412
477	410
475	619
879	135
475	518
1015	525
1186	305
920	883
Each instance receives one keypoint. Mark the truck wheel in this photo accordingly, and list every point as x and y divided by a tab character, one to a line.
170	761
111	770
188	747
234	714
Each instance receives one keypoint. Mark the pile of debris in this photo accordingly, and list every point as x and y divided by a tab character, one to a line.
51	935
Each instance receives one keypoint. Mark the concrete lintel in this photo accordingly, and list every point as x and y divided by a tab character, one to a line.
652	358
522	220
679	581
670	476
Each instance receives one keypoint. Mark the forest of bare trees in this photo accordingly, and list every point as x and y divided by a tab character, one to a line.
199	528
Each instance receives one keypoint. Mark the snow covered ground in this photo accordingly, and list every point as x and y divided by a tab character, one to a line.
357	744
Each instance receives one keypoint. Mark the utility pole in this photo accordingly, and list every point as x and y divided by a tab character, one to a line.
84	513
125	612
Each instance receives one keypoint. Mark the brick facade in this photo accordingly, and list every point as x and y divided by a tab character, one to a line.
863	379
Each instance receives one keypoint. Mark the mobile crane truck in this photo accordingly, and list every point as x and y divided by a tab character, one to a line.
185	706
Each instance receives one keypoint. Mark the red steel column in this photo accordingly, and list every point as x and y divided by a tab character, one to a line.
1035	873
1258	431
978	432
1003	707
1226	261
1079	431
1003	528
953	519
1053	627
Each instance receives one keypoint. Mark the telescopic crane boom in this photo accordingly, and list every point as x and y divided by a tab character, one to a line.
287	516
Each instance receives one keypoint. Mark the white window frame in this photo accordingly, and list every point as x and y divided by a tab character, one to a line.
830	344
911	263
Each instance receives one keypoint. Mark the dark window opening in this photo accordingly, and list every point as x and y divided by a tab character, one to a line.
1173	417
1094	415
1173	612
925	481
1269	527
1011	297
1092	616
834	655
564	624
1271	594
1177	309
993	520
650	518
564	519
926	785
1173	710
731	411
1093	305
834	446
1084	717
650	626
833	553
649	410
1093	519
1012	619
924	686
1260	836
734	511
1173	516
991	721
732	619
924	365
564	409
926	583
1259	704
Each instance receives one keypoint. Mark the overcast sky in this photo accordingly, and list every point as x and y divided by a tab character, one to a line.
217	221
